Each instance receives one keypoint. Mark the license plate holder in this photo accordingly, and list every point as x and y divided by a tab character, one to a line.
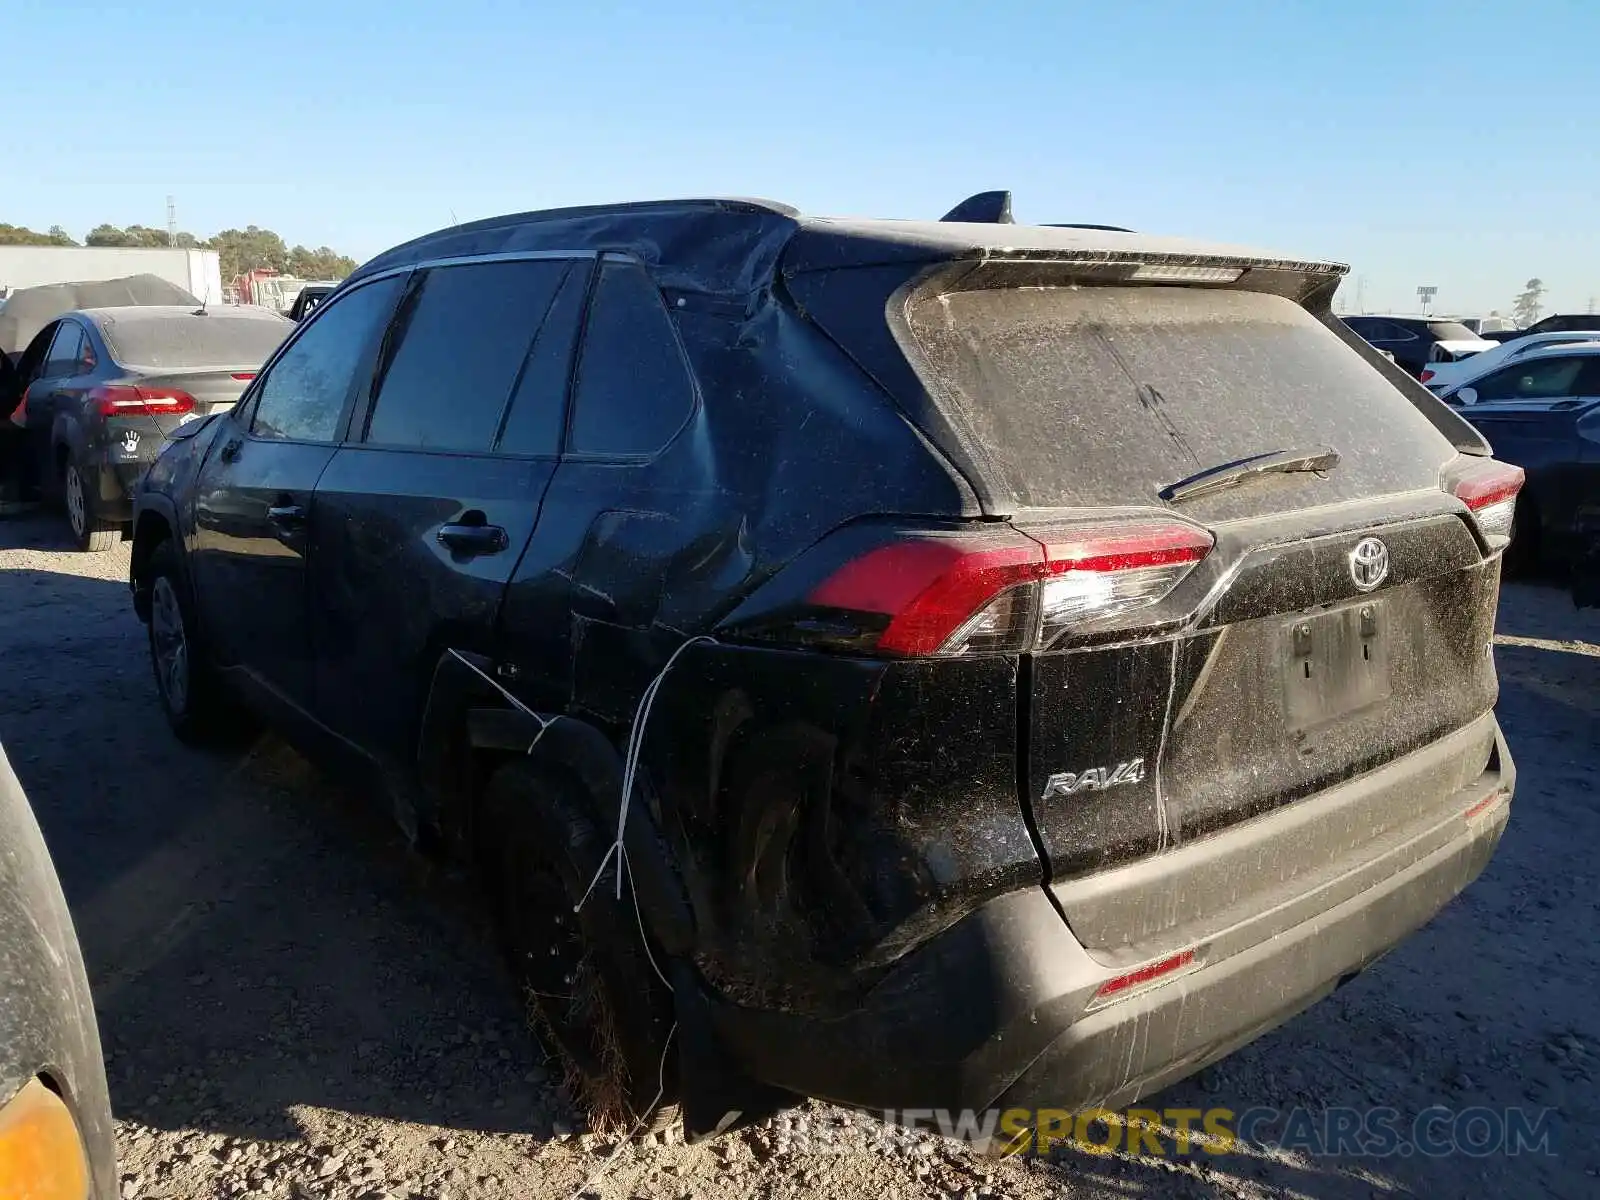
1334	664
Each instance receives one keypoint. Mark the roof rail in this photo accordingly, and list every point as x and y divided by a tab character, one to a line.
986	208
1106	228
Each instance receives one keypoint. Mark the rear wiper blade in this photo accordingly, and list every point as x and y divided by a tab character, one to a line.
1231	474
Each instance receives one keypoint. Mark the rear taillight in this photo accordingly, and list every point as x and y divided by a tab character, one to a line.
1004	590
19	415
244	376
1490	491
127	400
1425	376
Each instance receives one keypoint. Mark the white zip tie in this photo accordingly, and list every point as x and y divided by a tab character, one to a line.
630	767
641	719
544	722
604	1168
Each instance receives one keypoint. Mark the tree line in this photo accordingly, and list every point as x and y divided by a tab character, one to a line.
240	250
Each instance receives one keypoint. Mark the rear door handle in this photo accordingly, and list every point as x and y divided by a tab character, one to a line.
474	539
289	515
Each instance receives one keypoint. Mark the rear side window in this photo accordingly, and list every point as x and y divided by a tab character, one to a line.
539	408
303	395
633	389
1107	395
65	357
1391	331
1543	379
456	349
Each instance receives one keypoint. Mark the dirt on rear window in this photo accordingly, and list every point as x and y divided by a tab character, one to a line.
1106	395
177	340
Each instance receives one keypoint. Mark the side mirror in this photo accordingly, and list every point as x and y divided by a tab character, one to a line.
1465	395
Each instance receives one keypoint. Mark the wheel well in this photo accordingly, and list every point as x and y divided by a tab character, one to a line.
62	454
151	531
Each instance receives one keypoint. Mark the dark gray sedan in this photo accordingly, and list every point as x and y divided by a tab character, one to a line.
101	390
55	1117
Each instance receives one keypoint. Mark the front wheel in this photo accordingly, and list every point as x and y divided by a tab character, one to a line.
88	530
195	701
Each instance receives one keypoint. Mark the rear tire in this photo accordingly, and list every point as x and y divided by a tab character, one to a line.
89	531
586	976
196	702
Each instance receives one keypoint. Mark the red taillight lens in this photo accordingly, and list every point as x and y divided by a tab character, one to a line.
125	400
19	415
1002	589
1490	491
930	587
1425	376
244	376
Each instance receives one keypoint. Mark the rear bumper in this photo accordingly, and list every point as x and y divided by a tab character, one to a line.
1000	1010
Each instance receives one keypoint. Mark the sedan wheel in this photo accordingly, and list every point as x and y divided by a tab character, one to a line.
77	502
88	530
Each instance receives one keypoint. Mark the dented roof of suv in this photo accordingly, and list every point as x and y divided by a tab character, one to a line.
731	246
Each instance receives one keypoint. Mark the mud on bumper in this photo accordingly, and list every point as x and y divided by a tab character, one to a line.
1001	1011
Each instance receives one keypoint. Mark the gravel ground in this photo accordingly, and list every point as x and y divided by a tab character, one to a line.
295	1006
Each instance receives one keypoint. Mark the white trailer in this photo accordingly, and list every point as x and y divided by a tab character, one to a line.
197	271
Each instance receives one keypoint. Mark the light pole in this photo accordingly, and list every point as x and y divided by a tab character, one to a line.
1425	297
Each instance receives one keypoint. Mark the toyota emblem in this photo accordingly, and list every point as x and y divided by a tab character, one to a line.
1369	563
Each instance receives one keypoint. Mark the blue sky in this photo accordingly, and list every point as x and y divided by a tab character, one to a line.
1439	143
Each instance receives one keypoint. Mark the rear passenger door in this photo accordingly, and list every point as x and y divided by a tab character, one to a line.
424	511
51	393
631	498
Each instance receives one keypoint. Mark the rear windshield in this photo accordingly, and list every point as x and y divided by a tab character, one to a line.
173	340
1452	331
1106	395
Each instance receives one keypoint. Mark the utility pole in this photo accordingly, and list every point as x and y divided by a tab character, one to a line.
1361	293
1591	304
172	221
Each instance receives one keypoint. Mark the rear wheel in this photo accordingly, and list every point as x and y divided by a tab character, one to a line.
89	531
585	976
196	702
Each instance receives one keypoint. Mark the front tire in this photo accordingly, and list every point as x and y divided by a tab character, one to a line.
193	698
586	975
89	531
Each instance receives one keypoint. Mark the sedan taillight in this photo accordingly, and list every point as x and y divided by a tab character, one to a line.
128	400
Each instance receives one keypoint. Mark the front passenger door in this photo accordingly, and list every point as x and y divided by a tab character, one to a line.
254	496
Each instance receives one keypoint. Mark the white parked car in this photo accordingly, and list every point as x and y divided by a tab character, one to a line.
1545	376
1440	377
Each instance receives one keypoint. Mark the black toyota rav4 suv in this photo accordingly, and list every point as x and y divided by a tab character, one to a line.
1019	664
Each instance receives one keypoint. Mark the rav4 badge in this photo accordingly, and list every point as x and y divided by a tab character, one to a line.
1094	779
